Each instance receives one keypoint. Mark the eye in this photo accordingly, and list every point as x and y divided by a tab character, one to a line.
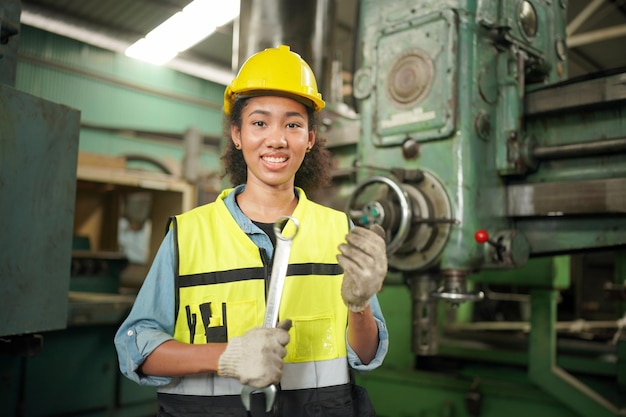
293	125
258	123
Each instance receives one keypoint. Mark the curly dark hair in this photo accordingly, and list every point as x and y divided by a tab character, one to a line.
313	174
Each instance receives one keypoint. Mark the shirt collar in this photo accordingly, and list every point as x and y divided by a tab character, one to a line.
242	220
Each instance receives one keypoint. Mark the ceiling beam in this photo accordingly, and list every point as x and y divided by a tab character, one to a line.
594	36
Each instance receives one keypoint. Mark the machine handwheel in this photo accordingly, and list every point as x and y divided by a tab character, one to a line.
393	218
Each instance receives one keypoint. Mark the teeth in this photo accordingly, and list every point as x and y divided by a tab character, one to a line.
274	160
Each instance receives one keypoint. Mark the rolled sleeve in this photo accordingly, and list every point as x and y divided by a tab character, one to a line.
133	347
151	319
383	342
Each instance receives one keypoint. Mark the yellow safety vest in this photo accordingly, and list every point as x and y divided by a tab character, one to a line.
221	283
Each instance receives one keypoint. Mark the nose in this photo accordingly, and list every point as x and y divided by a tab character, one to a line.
276	138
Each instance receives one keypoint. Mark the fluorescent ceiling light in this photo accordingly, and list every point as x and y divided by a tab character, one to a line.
194	23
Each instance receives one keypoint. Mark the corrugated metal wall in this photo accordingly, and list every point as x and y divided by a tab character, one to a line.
116	92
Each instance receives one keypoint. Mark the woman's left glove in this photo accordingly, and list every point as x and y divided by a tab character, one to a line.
364	261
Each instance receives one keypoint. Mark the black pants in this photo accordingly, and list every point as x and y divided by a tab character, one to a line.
338	401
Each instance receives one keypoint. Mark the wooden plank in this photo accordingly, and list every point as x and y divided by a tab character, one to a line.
102	161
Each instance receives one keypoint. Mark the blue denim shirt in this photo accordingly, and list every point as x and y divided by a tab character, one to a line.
151	319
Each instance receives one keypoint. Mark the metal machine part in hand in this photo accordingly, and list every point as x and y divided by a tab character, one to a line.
416	215
277	282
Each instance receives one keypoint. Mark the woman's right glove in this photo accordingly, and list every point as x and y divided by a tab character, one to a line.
256	358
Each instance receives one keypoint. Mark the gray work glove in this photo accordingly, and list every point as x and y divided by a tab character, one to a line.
256	358
364	262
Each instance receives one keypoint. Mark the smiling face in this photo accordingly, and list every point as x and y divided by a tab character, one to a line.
274	138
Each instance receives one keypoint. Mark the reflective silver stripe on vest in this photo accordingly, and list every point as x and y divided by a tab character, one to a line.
205	384
295	376
315	374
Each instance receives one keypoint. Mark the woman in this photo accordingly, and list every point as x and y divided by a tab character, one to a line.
194	330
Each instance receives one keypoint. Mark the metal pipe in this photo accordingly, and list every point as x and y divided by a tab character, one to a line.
424	330
595	36
543	369
583	16
307	26
602	147
576	326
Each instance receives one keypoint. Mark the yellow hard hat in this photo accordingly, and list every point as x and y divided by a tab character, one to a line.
275	70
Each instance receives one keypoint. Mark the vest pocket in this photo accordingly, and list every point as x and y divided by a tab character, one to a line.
312	339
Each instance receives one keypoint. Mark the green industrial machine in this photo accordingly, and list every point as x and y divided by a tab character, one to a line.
502	186
37	204
56	351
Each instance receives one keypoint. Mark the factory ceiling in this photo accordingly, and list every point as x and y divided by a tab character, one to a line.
596	31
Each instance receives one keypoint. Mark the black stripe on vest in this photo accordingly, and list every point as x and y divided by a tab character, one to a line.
221	277
314	269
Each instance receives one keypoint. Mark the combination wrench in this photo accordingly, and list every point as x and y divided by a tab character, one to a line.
277	282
